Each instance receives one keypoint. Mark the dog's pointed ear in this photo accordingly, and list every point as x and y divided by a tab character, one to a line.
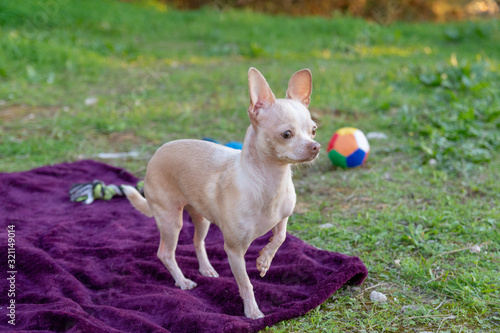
260	93
300	87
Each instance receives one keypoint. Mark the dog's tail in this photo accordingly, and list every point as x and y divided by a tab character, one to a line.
137	200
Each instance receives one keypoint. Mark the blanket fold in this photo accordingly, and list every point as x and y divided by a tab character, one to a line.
93	268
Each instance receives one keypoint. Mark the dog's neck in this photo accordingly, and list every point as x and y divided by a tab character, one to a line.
269	178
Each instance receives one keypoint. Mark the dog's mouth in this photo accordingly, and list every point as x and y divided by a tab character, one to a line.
304	160
312	158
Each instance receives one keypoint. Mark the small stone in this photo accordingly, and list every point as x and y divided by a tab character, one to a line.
475	249
433	161
406	308
90	100
378	297
376	136
397	262
326	226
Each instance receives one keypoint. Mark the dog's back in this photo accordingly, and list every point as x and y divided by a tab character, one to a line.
193	172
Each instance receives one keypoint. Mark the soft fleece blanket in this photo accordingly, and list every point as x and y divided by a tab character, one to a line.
93	268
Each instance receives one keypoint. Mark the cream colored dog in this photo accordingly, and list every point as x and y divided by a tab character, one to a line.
245	193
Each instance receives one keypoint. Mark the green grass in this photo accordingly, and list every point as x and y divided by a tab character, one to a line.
158	74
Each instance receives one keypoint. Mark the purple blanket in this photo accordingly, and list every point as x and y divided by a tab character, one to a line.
93	268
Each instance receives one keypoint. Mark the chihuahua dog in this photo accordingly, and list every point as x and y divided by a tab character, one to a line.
245	193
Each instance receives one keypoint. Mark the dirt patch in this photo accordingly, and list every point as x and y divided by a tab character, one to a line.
26	112
116	138
380	11
475	193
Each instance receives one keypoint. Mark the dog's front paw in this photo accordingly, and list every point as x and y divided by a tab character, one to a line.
185	284
263	263
254	313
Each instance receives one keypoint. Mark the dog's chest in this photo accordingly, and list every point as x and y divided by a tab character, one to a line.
277	207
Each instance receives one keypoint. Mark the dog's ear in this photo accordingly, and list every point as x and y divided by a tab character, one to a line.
300	87
260	93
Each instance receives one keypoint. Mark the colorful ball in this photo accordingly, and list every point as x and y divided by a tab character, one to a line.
348	148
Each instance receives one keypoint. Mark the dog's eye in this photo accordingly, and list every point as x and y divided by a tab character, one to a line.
314	130
286	134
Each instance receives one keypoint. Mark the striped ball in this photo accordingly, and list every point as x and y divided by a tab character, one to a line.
348	148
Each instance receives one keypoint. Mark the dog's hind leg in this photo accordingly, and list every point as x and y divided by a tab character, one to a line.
169	221
201	226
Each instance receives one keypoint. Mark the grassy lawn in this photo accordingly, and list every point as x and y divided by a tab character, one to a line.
78	78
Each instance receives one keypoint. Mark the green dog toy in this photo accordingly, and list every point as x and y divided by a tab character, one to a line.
88	192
